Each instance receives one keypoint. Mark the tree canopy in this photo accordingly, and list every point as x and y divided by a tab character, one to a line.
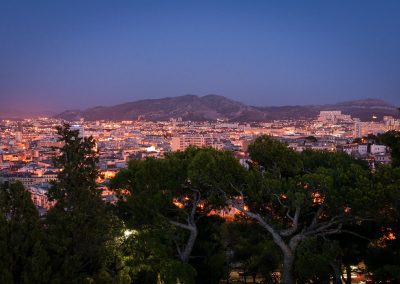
295	197
196	215
80	227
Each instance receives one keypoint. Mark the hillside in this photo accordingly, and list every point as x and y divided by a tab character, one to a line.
212	107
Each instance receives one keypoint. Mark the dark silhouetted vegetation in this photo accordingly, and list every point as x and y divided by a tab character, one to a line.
300	217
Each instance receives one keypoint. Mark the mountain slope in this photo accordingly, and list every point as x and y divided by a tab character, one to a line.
212	107
363	109
188	107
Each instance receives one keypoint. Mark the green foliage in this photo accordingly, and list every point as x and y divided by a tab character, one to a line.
275	157
77	159
382	256
209	253
22	255
164	210
147	255
384	261
313	160
392	140
167	198
335	179
313	259
256	252
326	191
80	226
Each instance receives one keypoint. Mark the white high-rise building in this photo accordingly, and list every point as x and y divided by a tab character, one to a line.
357	132
180	143
80	128
329	115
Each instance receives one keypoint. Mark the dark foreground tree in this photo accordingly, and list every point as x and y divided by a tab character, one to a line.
23	258
314	260
256	253
80	228
167	198
383	254
209	252
296	197
392	140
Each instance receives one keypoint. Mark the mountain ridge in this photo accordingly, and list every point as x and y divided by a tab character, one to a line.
213	107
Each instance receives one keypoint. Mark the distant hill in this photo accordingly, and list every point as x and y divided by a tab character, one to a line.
212	107
363	109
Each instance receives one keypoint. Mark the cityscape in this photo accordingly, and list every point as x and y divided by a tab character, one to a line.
199	142
28	146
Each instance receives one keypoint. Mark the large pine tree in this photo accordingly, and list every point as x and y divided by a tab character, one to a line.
80	226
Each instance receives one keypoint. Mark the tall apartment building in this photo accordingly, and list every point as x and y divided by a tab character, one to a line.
329	115
80	128
180	143
357	132
333	116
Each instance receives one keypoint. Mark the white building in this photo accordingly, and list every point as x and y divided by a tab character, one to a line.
362	149
329	115
80	128
378	149
180	143
333	116
357	133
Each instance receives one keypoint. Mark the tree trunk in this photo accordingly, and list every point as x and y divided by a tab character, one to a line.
337	274
189	245
348	274
287	277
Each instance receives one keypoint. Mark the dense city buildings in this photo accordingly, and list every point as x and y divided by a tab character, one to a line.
28	146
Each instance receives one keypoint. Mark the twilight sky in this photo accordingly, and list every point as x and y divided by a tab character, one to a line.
60	54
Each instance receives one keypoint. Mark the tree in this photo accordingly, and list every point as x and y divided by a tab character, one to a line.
167	197
80	227
392	140
315	261
257	253
351	248
382	256
23	258
209	252
5	256
295	197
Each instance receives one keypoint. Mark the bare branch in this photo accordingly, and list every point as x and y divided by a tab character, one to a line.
280	201
295	224
256	217
181	225
317	215
240	192
195	202
355	234
289	217
334	231
178	248
320	227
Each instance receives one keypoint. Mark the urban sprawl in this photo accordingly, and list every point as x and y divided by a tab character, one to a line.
27	146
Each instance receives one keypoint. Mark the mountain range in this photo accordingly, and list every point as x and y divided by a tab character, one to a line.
212	107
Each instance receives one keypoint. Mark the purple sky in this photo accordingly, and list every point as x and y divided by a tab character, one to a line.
77	54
